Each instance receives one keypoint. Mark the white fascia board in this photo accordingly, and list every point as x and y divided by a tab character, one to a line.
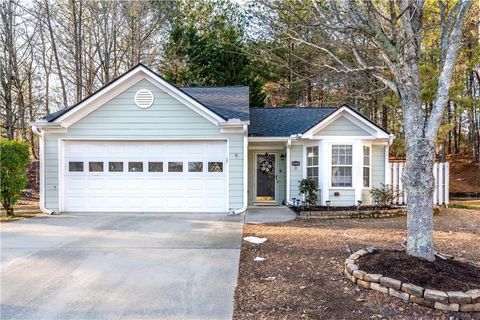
267	139
352	116
134	76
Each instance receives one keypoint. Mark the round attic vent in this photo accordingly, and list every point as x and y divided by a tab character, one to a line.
143	98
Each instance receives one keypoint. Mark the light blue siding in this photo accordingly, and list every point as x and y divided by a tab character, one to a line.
342	127
120	118
346	197
378	165
296	173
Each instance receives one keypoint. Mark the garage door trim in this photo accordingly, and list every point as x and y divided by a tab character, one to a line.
61	158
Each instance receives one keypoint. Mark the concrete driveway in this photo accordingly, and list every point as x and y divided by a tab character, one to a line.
120	266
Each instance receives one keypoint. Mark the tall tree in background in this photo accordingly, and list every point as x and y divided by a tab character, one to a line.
206	48
384	39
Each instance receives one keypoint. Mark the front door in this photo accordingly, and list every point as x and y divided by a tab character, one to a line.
266	177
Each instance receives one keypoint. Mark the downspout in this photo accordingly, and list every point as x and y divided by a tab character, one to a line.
41	142
245	172
289	144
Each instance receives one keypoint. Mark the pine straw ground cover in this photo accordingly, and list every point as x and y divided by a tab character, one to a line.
306	258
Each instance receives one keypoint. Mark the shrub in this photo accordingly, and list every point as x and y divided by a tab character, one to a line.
14	157
308	187
384	195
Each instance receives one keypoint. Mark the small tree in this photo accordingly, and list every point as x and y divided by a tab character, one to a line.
308	187
14	157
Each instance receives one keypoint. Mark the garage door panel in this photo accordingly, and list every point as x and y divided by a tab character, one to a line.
75	202
216	202
145	191
154	185
175	202
74	185
195	203
114	202
96	203
215	185
114	185
96	183
135	202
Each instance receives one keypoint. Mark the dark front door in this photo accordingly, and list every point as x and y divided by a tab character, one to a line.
266	177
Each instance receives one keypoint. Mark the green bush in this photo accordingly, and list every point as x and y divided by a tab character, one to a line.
384	195
14	157
308	187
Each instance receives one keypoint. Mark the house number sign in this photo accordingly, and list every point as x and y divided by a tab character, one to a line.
295	163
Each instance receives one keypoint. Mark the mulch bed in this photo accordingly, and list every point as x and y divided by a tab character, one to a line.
307	257
445	275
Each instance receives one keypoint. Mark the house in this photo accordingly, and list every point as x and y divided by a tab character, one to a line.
143	144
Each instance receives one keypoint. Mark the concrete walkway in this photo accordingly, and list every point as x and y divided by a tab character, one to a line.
269	214
120	266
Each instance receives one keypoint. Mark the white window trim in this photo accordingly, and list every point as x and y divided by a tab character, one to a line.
313	166
369	145
351	166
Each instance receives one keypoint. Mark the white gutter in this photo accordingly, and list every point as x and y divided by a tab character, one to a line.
245	172
41	140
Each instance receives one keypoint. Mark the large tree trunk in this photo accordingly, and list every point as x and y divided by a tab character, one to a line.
418	180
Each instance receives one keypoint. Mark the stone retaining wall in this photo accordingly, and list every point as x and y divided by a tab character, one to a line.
468	301
349	214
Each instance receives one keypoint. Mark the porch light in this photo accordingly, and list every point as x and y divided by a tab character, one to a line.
327	202
282	157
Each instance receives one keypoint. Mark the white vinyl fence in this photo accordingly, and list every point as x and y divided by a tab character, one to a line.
440	172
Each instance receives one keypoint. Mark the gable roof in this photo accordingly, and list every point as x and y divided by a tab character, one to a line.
225	102
284	122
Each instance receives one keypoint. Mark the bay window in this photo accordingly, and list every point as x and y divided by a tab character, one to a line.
341	165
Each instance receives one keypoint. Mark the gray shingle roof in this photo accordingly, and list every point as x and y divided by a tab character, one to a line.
228	102
284	122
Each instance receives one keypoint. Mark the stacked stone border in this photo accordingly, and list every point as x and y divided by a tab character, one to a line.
468	301
353	214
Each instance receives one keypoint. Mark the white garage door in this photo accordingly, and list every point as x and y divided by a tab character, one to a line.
145	176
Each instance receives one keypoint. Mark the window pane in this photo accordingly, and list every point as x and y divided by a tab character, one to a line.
75	166
366	156
312	172
366	177
135	167
155	167
341	154
195	167
95	166
175	167
115	166
312	156
215	167
341	176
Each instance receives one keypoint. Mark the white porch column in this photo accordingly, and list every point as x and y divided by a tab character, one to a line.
287	169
